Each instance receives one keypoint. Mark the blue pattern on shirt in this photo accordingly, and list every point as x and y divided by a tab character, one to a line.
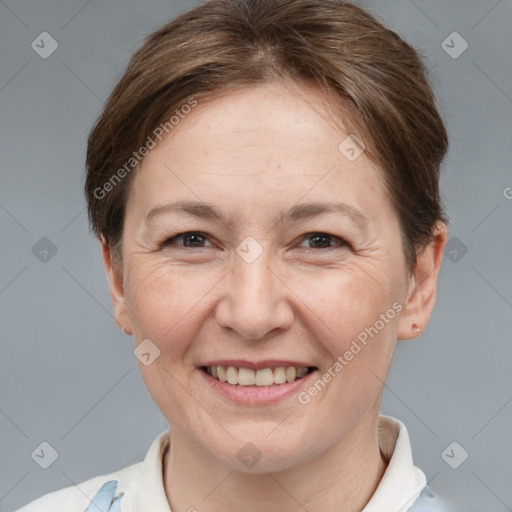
104	500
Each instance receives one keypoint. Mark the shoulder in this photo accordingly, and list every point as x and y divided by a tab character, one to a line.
143	478
76	498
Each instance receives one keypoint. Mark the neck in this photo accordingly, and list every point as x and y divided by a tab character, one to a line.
344	479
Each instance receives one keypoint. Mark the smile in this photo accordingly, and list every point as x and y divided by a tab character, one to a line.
260	378
253	383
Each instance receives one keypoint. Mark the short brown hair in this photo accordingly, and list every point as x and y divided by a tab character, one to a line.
380	81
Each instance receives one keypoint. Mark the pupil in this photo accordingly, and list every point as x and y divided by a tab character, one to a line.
195	237
319	237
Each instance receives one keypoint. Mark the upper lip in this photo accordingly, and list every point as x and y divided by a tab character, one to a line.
259	365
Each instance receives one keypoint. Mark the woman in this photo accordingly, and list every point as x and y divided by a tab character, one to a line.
264	182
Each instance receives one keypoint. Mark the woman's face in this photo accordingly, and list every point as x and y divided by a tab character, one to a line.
295	260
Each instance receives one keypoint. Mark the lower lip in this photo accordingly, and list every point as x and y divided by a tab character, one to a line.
256	395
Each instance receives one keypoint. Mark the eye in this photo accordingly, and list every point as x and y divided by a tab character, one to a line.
323	239
197	239
194	239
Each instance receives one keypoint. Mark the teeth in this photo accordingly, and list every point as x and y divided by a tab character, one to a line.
279	375
301	372
264	377
246	377
232	375
222	373
291	373
261	378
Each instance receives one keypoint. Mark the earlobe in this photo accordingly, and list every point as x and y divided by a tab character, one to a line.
421	295
116	287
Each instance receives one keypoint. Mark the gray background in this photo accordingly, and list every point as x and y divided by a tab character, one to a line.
68	375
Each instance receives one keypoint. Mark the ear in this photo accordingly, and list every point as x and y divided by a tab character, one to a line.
116	285
421	295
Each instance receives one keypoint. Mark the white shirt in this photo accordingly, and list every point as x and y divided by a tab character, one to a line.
401	489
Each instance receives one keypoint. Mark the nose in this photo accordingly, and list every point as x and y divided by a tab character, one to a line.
256	300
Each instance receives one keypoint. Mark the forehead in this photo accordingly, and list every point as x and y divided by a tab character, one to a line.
278	140
273	117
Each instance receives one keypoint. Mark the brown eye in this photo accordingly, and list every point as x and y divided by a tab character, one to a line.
323	241
190	239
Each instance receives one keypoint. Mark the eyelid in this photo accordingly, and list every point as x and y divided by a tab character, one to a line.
341	241
167	241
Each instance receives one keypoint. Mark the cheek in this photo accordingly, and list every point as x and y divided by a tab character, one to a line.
357	313
165	303
348	300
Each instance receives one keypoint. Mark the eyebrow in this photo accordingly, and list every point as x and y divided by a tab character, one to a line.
295	213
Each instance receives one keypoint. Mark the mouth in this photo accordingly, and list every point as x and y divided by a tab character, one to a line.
263	377
264	383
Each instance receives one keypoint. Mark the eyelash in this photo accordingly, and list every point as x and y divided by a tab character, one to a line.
170	241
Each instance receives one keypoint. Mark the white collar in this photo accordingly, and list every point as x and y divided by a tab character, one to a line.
401	484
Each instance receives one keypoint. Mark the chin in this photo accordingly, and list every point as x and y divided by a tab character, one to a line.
257	451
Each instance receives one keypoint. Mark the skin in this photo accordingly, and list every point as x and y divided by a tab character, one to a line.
254	154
